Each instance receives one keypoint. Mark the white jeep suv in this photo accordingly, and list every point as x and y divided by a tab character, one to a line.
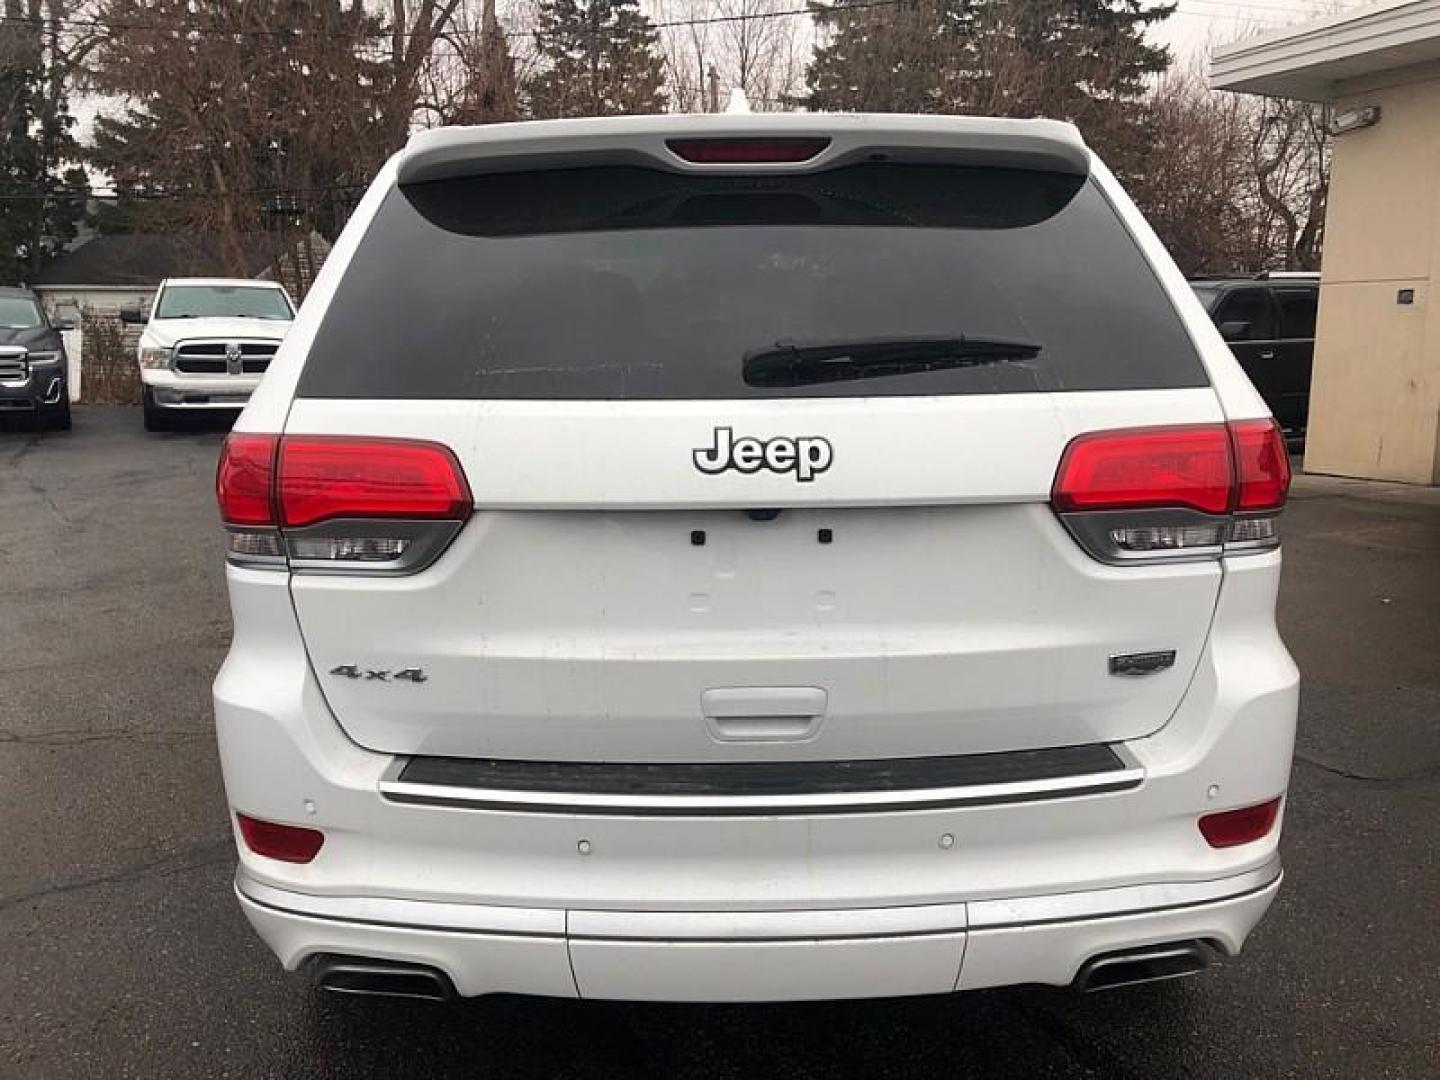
742	558
207	343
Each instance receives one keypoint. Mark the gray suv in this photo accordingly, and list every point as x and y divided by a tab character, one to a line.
32	361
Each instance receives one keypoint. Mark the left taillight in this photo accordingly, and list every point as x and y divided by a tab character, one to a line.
339	504
244	482
245	490
1164	493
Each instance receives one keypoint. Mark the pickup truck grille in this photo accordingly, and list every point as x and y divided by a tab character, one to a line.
13	366
215	357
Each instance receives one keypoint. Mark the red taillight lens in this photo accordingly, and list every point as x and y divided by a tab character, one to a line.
1146	468
322	478
746	151
1262	465
1230	828
288	843
243	481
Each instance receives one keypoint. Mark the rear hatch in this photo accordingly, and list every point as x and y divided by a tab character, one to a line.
760	463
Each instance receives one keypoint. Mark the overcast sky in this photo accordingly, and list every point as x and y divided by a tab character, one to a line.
1199	24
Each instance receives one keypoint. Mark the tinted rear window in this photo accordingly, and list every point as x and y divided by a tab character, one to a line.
631	283
1297	312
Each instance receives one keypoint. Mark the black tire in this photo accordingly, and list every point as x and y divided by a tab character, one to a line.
155	418
57	417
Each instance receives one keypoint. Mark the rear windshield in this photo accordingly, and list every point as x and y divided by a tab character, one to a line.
632	283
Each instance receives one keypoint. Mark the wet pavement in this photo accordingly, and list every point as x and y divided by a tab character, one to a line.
122	951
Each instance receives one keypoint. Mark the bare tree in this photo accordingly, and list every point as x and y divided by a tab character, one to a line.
758	46
1233	183
1194	184
415	28
238	122
1290	163
471	75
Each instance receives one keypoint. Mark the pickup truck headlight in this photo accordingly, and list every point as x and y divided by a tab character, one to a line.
154	356
48	357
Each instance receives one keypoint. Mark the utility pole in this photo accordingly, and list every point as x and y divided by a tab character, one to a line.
713	78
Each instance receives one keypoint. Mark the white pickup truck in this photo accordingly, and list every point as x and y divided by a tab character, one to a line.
207	342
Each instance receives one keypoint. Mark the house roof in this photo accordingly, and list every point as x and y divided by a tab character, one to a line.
149	258
1307	62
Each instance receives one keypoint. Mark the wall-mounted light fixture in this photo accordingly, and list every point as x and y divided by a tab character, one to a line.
1362	116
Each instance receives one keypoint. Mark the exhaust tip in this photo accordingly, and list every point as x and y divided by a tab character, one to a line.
1153	963
364	977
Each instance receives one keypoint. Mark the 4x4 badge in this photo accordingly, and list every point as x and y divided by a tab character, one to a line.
352	671
806	457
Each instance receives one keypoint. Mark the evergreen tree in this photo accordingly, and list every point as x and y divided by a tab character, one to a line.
42	191
490	95
599	58
245	118
1086	61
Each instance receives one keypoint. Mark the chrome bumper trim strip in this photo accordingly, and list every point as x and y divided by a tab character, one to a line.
783	925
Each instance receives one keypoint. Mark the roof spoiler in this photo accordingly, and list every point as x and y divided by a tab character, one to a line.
1045	145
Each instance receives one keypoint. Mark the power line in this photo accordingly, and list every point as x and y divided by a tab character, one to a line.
183	196
816	11
1315	11
120	26
1231	19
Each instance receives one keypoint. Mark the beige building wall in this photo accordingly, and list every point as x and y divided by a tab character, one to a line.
1375	393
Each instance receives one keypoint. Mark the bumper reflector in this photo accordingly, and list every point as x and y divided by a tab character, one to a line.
1230	828
287	843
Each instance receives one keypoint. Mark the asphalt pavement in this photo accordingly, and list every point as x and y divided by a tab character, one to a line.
123	953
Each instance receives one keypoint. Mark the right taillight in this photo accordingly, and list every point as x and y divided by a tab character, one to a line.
1164	493
339	504
1262	465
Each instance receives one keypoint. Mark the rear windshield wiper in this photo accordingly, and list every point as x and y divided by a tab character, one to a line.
801	363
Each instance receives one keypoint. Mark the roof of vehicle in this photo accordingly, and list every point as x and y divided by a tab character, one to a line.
16	290
1251	280
1050	145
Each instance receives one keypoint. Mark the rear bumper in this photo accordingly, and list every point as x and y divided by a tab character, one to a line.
760	955
871	902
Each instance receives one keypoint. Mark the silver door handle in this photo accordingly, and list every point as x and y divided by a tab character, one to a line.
1268	354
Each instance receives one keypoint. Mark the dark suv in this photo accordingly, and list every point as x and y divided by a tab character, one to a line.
32	361
1269	322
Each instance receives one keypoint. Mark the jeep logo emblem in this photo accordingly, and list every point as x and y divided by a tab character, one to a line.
805	457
